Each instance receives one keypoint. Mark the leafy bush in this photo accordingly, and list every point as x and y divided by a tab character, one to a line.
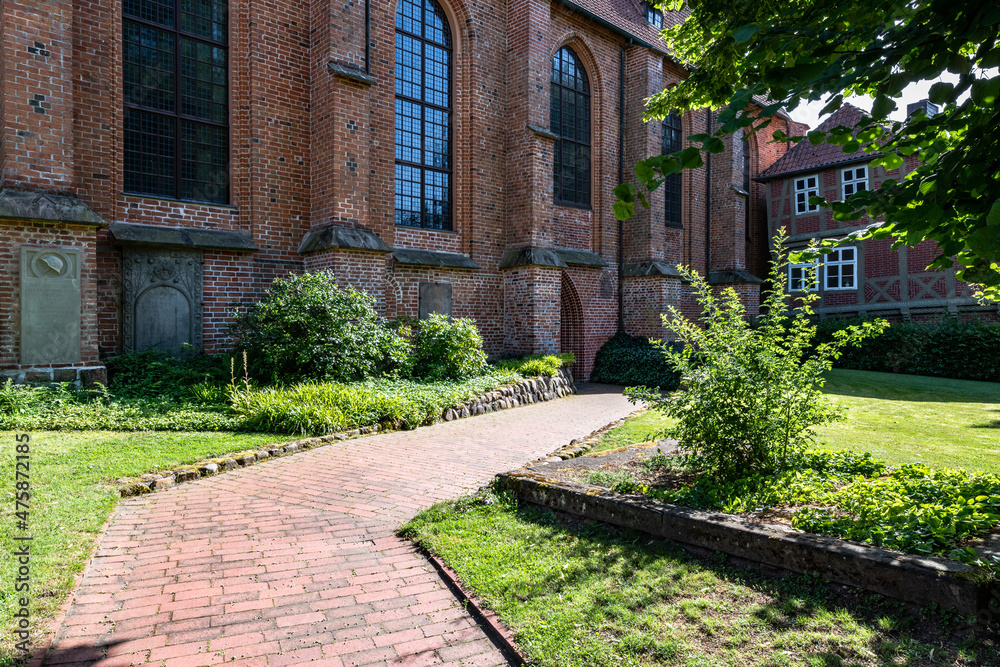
159	374
853	496
448	349
538	364
751	392
306	328
634	361
945	348
317	409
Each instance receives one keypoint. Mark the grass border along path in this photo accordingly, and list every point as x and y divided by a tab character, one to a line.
581	593
72	494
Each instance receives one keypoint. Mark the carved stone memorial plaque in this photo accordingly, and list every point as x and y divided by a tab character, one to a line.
161	304
435	298
50	305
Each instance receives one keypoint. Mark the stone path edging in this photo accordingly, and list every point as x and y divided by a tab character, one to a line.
526	392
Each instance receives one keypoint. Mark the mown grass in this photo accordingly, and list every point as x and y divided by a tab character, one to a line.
897	418
586	594
71	499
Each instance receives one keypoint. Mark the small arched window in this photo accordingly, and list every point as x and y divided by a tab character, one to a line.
570	121
673	188
423	116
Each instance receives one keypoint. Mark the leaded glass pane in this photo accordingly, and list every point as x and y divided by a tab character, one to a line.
154	11
148	67
149	153
205	18
204	161
203	81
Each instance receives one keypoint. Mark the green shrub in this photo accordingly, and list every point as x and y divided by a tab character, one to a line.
751	391
320	408
634	362
306	328
448	349
945	348
536	365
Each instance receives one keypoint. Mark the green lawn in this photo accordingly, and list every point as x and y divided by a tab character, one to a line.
71	500
898	418
589	595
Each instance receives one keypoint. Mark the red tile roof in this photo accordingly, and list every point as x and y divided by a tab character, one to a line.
806	157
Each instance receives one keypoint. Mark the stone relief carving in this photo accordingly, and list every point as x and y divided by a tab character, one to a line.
50	305
162	300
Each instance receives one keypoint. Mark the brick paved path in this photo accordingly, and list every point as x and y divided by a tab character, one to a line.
295	560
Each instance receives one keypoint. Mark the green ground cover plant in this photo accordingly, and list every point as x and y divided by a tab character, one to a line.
911	508
72	497
153	391
536	365
585	594
318	408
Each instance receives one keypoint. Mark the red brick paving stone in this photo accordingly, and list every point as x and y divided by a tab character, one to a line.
309	539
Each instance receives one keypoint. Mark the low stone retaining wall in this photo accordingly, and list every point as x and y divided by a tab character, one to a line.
950	584
535	390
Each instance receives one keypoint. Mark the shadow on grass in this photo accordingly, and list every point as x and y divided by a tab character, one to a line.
860	628
913	388
993	423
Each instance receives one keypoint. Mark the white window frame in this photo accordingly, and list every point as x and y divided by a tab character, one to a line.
849	178
795	282
836	260
802	187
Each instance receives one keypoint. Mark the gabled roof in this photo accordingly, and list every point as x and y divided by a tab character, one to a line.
806	157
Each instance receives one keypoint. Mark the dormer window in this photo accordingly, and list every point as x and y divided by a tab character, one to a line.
653	15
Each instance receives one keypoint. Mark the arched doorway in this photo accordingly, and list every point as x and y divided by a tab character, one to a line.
571	322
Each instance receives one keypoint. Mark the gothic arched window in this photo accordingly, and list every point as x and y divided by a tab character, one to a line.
570	121
673	188
423	116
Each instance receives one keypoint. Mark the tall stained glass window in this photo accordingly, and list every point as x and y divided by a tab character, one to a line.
570	121
670	142
423	116
175	66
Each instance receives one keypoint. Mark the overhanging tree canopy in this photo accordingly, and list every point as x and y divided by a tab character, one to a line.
806	50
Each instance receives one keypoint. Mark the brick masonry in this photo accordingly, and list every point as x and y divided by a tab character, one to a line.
310	148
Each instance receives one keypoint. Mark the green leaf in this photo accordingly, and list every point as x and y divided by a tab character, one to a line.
745	33
882	107
624	210
941	93
624	192
993	217
715	145
890	161
816	137
985	91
